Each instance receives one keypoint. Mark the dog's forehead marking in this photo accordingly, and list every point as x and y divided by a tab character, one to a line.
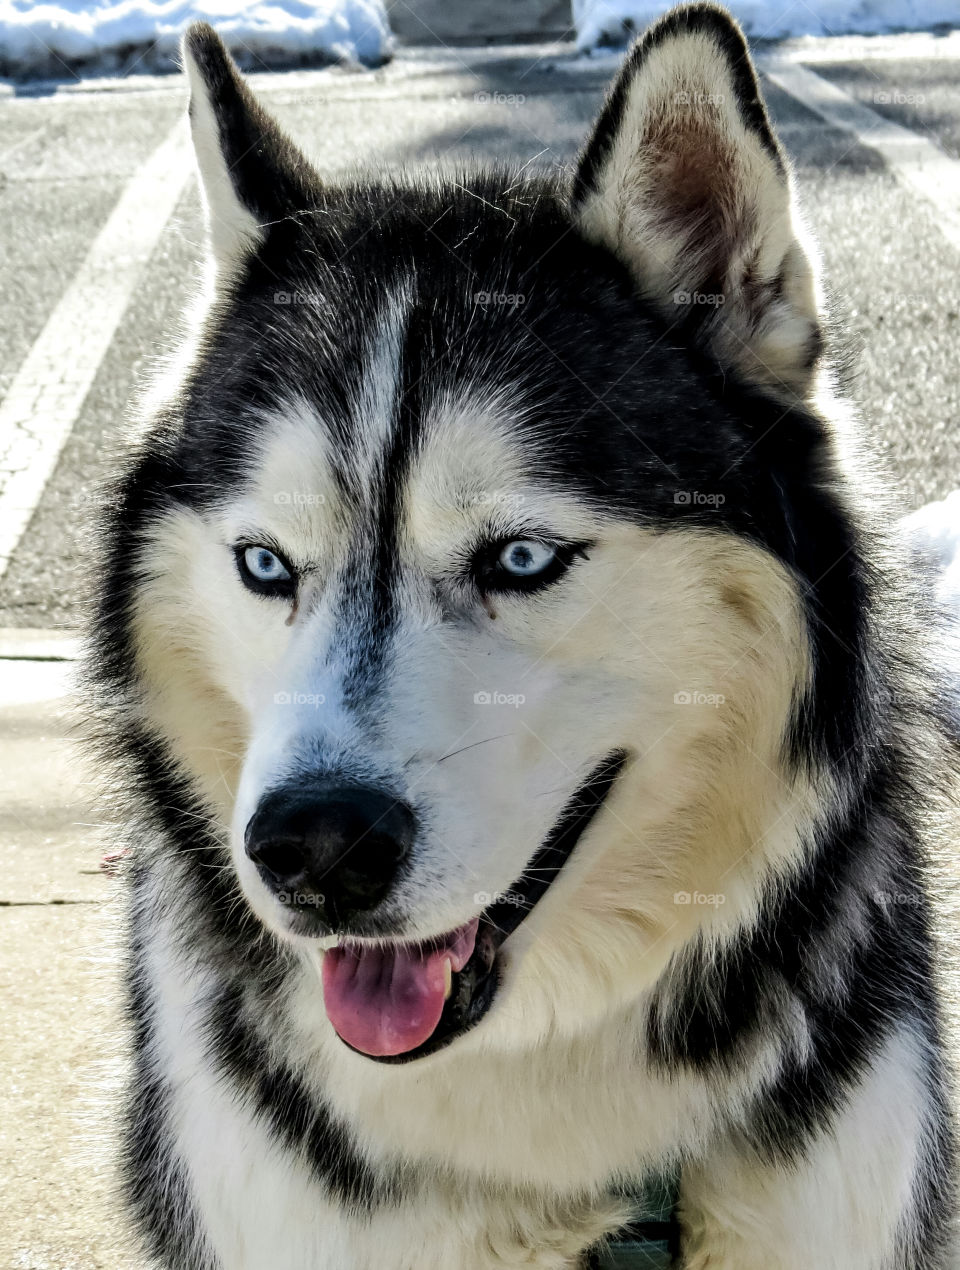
376	398
312	470
476	469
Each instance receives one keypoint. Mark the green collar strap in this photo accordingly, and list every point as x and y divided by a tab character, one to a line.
649	1242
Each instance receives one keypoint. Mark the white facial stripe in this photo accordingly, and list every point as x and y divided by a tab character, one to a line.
375	403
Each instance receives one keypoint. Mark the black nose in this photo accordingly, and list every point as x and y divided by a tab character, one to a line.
331	850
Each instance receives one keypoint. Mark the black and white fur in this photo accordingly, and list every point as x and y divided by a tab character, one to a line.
782	1044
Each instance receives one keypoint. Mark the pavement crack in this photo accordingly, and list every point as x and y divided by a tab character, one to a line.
44	903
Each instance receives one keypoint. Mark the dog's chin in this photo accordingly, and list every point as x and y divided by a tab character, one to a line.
396	1001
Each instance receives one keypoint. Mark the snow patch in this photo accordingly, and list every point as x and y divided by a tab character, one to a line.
604	22
934	532
52	38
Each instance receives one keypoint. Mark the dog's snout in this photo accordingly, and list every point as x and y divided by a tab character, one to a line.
334	849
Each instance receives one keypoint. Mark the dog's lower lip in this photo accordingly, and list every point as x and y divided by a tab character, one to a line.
474	986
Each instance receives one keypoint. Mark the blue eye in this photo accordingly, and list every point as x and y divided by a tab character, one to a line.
523	564
526	558
264	565
263	571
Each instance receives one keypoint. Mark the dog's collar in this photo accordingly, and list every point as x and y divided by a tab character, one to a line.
651	1240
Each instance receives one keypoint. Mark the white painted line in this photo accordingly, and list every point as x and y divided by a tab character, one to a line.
50	387
27	643
26	683
917	162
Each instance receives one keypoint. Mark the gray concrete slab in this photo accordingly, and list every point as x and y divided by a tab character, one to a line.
61	1043
52	833
60	1052
24	643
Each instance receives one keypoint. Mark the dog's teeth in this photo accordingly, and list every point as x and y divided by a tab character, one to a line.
447	978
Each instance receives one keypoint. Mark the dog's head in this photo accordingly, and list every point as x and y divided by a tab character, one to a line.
466	575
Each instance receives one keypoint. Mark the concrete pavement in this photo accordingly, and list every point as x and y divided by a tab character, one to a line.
62	1035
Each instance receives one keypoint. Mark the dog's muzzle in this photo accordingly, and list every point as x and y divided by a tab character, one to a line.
397	1001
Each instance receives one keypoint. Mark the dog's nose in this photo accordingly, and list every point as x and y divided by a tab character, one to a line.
331	849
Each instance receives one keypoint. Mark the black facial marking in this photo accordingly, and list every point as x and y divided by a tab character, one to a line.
841	963
614	405
278	1097
154	1179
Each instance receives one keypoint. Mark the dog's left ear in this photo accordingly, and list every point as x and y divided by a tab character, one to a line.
684	180
251	173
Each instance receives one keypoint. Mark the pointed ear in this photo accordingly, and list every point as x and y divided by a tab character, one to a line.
251	174
684	180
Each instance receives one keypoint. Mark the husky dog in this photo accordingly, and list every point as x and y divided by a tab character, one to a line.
529	794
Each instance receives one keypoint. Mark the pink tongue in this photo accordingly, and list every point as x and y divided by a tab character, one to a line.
388	1000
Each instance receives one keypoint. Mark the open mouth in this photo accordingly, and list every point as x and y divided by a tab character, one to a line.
398	1002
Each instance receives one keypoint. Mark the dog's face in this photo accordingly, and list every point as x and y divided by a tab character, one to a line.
466	586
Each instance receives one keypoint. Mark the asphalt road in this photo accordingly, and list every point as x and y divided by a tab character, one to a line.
66	157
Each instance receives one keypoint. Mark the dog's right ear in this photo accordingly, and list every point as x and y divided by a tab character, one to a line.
685	181
251	174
